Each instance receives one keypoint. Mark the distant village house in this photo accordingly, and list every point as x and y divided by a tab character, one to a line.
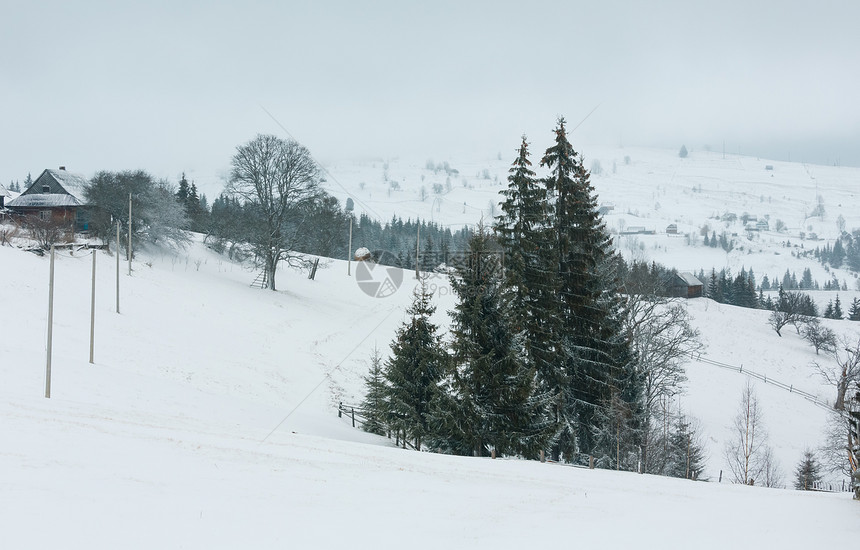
55	196
685	285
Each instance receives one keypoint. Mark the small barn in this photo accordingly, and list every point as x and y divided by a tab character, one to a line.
56	196
672	229
685	285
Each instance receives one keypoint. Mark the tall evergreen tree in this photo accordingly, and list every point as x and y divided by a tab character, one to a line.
828	311
598	361
416	365
526	238
687	456
808	472
837	255
715	291
837	309
854	311
494	406
375	405
182	192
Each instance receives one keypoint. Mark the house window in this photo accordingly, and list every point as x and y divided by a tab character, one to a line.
46	189
45	215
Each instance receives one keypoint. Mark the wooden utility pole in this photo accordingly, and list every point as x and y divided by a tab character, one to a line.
50	325
93	309
349	250
117	266
129	233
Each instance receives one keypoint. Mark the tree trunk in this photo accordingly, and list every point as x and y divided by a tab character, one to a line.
841	390
271	264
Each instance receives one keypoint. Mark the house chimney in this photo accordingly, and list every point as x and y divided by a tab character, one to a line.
62	168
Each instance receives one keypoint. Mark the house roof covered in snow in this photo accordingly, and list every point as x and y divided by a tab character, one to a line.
689	278
53	188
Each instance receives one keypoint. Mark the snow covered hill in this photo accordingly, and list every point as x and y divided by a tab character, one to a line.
209	416
641	188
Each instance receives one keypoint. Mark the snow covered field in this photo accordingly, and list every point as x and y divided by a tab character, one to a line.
647	188
209	419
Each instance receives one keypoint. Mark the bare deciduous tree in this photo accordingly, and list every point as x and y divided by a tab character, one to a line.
821	338
845	373
279	180
771	474
660	335
791	309
48	232
747	454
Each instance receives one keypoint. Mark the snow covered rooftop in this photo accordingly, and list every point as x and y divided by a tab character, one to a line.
74	184
689	278
63	189
46	200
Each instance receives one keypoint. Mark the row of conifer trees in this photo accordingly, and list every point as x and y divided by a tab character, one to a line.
538	361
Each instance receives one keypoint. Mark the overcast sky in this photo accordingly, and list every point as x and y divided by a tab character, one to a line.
175	86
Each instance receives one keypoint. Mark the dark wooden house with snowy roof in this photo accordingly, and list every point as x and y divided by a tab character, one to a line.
56	196
5	196
685	285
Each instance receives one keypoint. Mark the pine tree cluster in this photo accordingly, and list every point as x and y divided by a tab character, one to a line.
322	229
845	251
539	359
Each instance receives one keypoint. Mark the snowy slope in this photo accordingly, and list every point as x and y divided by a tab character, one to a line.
208	419
647	188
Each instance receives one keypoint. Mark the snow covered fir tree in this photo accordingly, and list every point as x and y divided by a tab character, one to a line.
539	360
596	387
490	406
416	365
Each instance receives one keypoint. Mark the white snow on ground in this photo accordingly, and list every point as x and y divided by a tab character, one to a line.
209	419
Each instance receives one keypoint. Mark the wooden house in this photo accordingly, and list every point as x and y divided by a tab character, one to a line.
5	196
685	285
56	196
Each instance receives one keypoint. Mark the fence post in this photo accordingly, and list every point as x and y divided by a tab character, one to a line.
353	416
542	456
590	462
340	409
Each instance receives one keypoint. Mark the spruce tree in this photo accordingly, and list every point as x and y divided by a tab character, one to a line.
526	238
687	456
375	405
828	310
837	309
806	280
416	364
429	258
182	192
598	363
715	291
808	472
494	409
854	312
